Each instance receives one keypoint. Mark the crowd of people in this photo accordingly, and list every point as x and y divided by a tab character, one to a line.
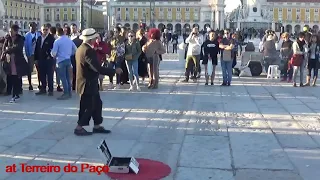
294	56
52	51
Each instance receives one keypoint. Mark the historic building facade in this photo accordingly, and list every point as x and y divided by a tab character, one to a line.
65	12
175	15
21	12
293	15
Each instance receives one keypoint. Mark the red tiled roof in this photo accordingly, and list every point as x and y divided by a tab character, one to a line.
290	1
60	1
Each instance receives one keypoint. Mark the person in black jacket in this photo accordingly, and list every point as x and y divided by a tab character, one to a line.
210	55
45	61
15	64
87	84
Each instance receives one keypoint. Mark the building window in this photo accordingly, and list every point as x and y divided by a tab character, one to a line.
207	16
10	12
187	9
289	10
161	9
21	13
135	16
161	16
187	16
307	10
298	10
47	17
196	10
135	9
169	16
73	17
118	9
280	9
178	9
316	10
65	17
16	4
169	9
73	10
178	16
65	9
195	16
57	17
127	9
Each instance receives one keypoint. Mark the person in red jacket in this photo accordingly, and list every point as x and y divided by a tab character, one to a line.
103	52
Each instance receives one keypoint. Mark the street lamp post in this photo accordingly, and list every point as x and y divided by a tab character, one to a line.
81	26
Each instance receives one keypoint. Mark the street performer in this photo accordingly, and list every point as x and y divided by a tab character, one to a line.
88	69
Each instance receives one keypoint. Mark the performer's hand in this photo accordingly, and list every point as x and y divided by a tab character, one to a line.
118	70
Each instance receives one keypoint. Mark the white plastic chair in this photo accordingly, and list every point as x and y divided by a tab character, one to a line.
273	72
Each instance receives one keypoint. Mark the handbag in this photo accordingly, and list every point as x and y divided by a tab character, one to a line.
128	57
296	60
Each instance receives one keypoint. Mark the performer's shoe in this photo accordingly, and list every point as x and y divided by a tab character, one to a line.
82	132
101	130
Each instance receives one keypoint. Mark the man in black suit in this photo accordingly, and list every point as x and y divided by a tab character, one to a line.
45	61
87	85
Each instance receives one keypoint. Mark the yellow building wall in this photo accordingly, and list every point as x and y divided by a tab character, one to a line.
319	16
183	14
275	14
191	10
284	14
123	13
165	14
140	14
294	14
131	17
157	13
174	13
312	19
303	14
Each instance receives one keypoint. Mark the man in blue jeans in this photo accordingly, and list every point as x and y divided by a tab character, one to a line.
63	49
227	44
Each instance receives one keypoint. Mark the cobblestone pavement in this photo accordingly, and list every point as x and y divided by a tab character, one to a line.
257	129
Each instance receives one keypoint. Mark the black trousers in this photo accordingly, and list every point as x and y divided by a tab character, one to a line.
13	85
46	70
90	106
74	71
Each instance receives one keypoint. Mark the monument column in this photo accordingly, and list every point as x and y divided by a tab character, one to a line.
221	20
217	19
273	26
212	19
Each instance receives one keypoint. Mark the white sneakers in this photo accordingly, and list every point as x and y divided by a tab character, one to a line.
132	88
14	99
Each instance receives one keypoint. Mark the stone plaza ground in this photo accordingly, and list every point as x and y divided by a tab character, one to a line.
257	129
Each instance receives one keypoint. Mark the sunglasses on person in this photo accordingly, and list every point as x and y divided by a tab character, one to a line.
130	36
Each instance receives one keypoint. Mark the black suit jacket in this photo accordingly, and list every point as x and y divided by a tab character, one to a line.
42	53
88	69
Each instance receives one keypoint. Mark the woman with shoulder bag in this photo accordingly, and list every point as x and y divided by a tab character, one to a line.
132	54
17	65
298	47
153	49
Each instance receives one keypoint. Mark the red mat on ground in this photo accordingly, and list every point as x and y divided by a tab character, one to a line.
148	170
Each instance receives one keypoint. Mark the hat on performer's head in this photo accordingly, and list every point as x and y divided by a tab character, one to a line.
88	34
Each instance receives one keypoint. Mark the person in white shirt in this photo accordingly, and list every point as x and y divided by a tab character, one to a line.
193	54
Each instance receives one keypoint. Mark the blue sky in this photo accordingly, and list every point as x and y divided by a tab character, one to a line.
231	4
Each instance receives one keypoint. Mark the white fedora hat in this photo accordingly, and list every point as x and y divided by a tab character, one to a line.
89	33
